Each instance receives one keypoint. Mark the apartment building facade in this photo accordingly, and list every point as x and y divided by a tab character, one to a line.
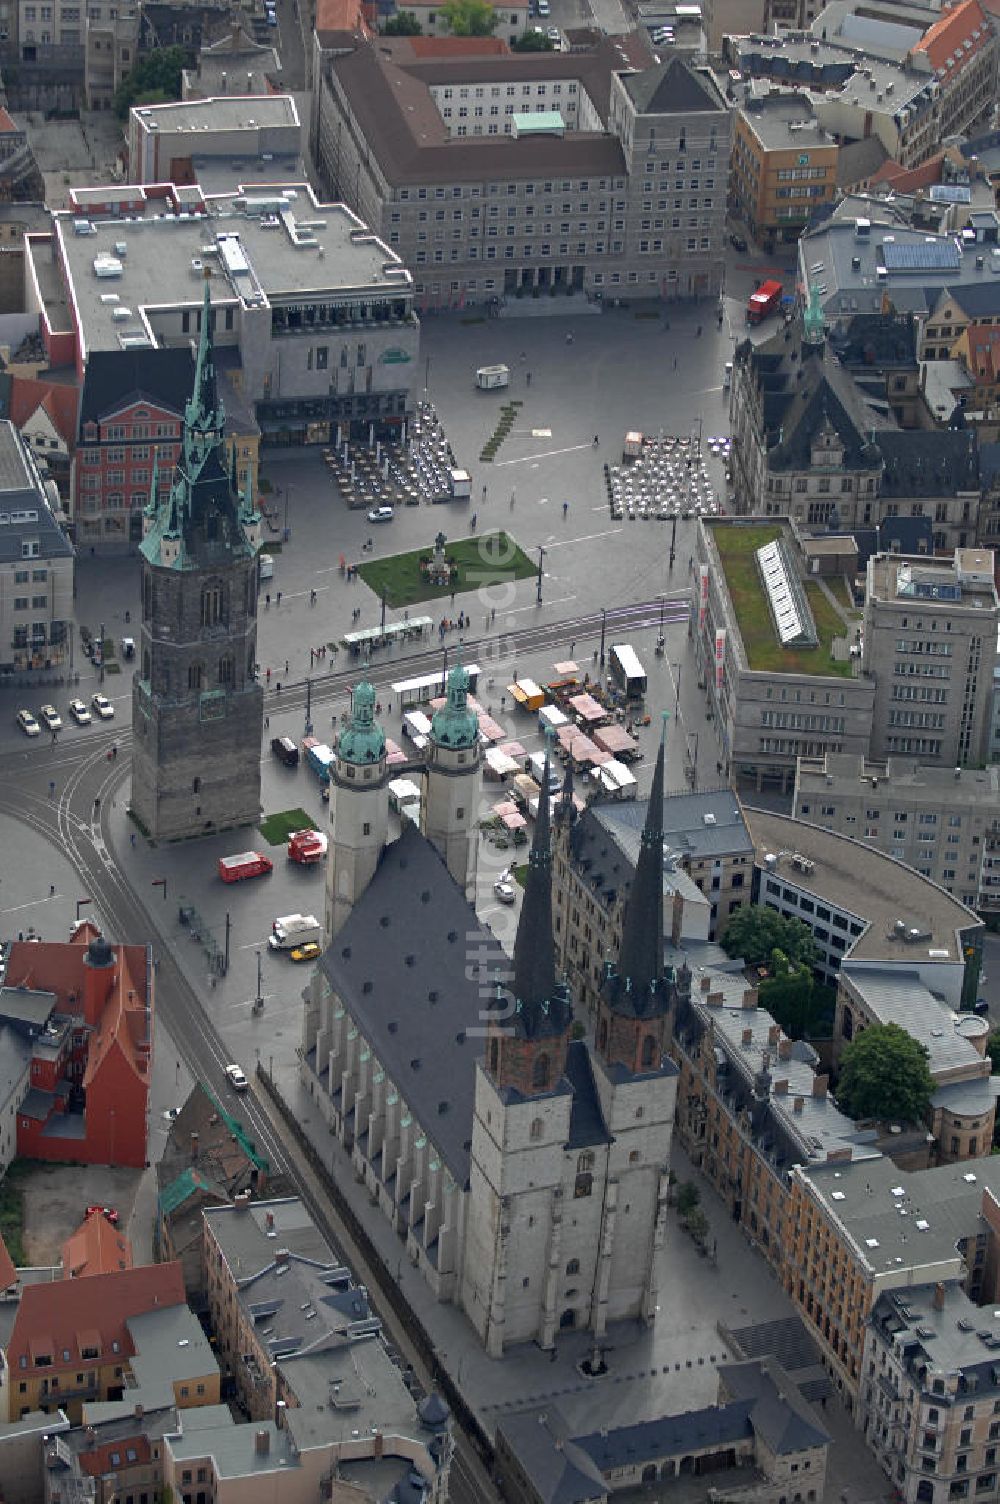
929	645
601	171
941	821
36	565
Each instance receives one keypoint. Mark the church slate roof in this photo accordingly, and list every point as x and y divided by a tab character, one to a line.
116	378
933	463
587	1126
399	966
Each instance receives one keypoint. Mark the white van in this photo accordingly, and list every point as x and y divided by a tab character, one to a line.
267	566
417	727
291	930
727	376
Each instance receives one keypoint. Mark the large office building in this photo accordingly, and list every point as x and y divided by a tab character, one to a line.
597	170
312	314
163	138
929	647
784	165
780	688
944	822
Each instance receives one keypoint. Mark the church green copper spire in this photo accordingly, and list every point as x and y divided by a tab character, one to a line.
362	740
455	724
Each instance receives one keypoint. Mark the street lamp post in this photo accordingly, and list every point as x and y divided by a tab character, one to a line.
538	587
309	724
160	882
258	1001
677	688
673	539
102	652
604	627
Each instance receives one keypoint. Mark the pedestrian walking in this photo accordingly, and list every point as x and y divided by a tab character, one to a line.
267	722
52	890
527	378
132	838
493	615
278	598
267	601
565	507
286	665
268	676
52	788
312	597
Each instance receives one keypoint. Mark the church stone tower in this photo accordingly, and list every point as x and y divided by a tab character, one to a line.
359	809
635	1079
448	815
521	1128
197	709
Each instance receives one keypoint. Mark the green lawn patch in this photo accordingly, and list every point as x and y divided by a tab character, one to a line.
486	559
277	828
521	874
737	548
12	1208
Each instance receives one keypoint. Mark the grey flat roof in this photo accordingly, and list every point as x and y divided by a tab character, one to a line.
945	1345
157	272
226	112
941	1206
170	1343
903	780
367	1389
866	883
232	1448
897	996
26	1005
242	1234
772	121
827	256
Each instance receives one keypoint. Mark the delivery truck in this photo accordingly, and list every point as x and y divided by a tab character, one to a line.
291	930
233	869
766	300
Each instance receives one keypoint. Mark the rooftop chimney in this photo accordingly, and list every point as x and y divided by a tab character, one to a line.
750	997
747	1037
262	1443
939	1294
269	1221
784	1049
281	1256
715	1000
781	1087
820	1084
773	1034
798	1104
194	1146
706	984
378	1444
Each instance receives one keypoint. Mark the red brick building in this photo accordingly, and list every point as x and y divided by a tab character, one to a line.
86	1009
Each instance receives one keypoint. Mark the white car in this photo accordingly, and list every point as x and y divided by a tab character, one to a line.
236	1078
504	890
102	707
51	717
28	724
555	37
381	514
79	712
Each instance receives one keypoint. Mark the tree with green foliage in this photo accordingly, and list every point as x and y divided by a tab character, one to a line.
403	24
534	40
789	995
884	1074
756	932
155	79
470	18
688	1197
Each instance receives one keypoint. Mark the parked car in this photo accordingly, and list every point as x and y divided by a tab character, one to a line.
738	242
544	8
236	1078
555	37
28	724
307	952
504	890
51	718
79	712
381	514
102	707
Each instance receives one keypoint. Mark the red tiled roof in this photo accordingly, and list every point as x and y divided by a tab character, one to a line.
339	15
59	400
66	1316
949	34
458	46
98	1461
984	353
6	123
8	1273
910	179
95	1248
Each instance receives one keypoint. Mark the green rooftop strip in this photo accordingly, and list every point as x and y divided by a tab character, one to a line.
737	547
